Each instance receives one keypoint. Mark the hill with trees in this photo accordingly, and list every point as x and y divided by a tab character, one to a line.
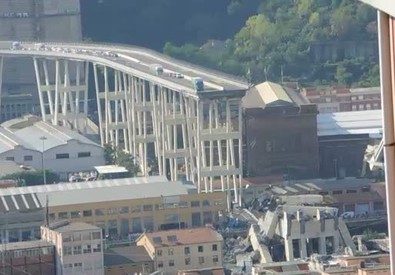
310	41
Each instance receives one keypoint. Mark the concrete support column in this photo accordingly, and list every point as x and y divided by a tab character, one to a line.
289	250
322	246
303	248
336	242
1	76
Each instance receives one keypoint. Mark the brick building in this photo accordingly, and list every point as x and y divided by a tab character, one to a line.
341	99
280	133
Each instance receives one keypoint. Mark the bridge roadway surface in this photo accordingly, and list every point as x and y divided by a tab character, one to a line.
137	62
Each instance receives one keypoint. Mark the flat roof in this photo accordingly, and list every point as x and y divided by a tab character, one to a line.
108	169
350	123
24	245
184	237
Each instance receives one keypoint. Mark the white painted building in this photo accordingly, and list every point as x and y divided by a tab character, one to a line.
64	151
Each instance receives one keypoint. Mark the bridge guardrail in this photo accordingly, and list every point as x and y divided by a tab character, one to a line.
118	46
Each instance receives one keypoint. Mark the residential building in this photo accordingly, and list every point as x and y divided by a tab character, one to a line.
118	206
343	138
203	271
296	266
79	247
280	133
26	141
30	257
183	249
127	260
342	99
37	20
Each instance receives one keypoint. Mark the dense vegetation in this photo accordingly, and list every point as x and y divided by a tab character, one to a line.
30	178
262	40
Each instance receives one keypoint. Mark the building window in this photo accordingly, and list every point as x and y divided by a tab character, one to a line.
187	261
206	203
361	107
200	248
67	250
360	97
171	262
28	158
112	211
215	259
187	250
75	214
147	207
159	253
378	205
99	212
62	156
84	154
97	248
195	203
63	215
201	260
87	249
215	247
135	209
337	192
96	236
368	106
77	250
351	191
87	213
170	252
160	264
354	107
10	158
124	210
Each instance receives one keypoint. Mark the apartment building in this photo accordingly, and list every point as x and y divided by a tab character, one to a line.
79	247
342	99
118	206
183	249
30	257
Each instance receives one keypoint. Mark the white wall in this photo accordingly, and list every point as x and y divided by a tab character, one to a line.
62	166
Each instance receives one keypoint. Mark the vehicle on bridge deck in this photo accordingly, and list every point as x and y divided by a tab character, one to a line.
198	84
157	68
16	45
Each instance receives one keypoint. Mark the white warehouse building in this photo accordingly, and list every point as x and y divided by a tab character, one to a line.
64	151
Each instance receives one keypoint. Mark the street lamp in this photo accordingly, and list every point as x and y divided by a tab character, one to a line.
43	138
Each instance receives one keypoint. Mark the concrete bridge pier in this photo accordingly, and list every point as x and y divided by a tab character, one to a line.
63	96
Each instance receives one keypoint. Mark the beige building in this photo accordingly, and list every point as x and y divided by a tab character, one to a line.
184	249
118	206
79	247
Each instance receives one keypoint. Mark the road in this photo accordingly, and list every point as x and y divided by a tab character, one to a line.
137	62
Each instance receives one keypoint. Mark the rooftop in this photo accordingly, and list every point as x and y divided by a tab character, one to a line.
91	192
350	123
272	94
29	134
107	169
125	255
24	245
184	237
65	226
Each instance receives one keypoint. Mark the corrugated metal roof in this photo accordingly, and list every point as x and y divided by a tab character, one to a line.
94	191
350	123
30	136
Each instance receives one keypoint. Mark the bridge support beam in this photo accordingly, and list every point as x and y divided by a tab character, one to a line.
63	95
1	77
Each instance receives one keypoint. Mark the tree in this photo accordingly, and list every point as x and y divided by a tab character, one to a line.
30	178
117	156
